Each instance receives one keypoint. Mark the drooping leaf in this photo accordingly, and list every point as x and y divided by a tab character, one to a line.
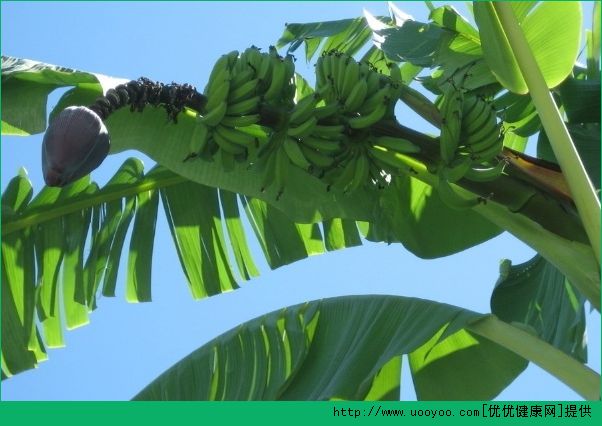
446	369
586	138
581	100
413	214
337	348
59	249
537	295
26	85
346	35
555	51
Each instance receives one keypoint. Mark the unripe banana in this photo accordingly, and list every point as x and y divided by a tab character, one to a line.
373	101
316	158
356	96
345	177
217	95
243	92
326	111
219	73
236	136
388	159
334	132
400	145
303	129
304	109
246	107
198	141
488	132
368	120
350	78
240	120
295	154
227	145
456	169
278	79
241	77
451	110
215	116
327	146
264	72
490	152
481	116
362	173
485	174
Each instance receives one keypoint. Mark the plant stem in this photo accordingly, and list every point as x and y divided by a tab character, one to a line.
582	190
579	377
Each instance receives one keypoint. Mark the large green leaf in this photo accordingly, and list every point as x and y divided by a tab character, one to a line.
446	370
346	35
339	348
586	138
537	295
60	248
552	29
412	212
26	85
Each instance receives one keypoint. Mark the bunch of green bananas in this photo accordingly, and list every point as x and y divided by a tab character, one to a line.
470	142
238	85
351	98
327	133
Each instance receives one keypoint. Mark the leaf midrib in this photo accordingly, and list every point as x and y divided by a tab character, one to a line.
42	214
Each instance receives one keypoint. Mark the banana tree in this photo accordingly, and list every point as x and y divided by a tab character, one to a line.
314	169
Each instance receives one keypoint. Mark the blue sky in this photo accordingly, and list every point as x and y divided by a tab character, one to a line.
126	346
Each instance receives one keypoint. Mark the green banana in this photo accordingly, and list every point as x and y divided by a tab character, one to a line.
379	97
243	92
400	145
240	120
356	96
482	116
218	73
236	136
227	145
303	129
334	132
198	141
215	116
316	158
217	95
326	111
456	169
368	120
388	159
295	154
246	107
327	146
241	77
362	173
451	110
486	174
346	175
304	109
278	79
489	153
350	78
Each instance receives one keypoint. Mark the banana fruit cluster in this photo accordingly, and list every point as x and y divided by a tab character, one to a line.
327	133
238	86
470	142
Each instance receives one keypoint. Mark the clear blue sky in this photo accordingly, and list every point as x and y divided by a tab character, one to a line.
126	346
